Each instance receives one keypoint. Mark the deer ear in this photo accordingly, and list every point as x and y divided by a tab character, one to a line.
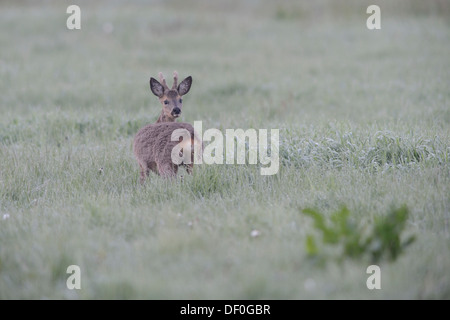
184	86
156	87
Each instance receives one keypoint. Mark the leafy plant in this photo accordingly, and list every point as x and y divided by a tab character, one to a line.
383	241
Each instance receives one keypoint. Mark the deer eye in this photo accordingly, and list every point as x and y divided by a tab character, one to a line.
181	100
166	101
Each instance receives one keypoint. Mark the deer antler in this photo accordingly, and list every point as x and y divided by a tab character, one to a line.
175	80
163	81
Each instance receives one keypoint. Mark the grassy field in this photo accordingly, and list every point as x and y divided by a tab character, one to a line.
364	123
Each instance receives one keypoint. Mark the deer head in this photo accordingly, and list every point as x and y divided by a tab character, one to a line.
170	98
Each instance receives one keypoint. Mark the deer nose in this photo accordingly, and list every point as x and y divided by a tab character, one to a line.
176	110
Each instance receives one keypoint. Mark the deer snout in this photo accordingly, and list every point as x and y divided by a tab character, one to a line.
176	111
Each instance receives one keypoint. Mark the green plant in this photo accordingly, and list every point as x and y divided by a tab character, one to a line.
383	241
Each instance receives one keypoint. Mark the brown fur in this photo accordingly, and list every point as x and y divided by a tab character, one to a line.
153	148
152	144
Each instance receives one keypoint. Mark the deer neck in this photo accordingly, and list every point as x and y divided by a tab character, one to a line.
164	118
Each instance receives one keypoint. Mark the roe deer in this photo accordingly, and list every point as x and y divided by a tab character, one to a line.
152	144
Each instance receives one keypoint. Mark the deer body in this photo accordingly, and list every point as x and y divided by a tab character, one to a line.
152	144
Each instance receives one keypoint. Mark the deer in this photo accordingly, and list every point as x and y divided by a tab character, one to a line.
153	143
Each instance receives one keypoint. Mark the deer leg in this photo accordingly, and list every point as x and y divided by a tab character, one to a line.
167	170
152	166
189	167
144	172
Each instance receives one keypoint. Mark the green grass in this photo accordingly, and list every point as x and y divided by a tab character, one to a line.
364	123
